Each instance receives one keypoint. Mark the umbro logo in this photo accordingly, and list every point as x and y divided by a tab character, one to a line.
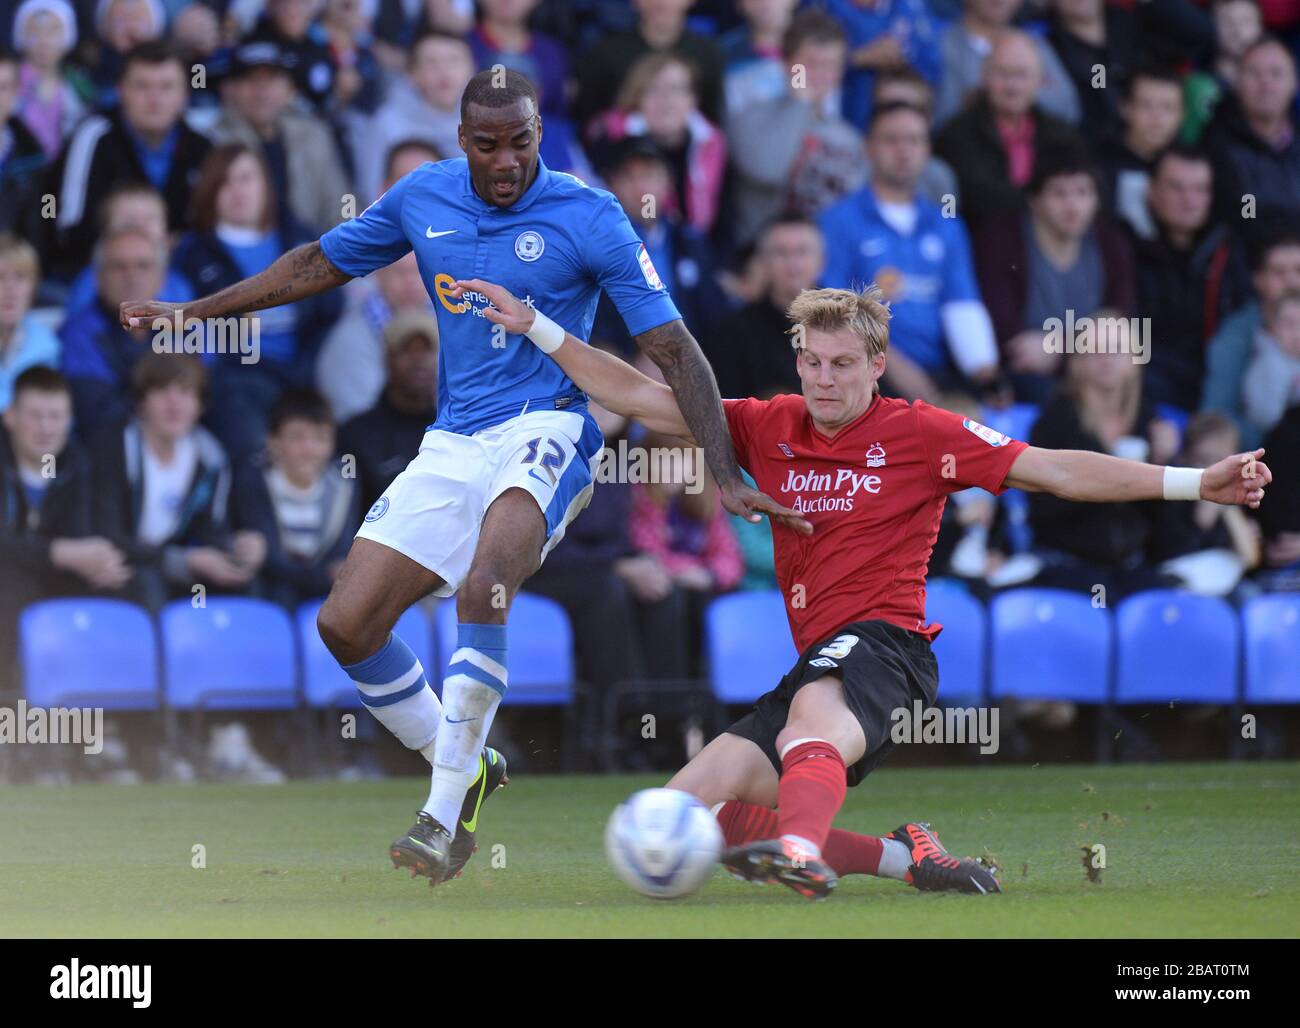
429	233
785	448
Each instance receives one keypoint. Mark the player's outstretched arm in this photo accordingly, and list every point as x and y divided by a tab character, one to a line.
1082	475
612	383
302	272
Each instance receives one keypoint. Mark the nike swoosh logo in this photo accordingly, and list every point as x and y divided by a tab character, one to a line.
429	233
460	721
472	823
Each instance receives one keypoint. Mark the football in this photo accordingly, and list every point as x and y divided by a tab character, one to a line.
663	843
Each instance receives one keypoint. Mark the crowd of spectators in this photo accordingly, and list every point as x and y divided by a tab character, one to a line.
999	168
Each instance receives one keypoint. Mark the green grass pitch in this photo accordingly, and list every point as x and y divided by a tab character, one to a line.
1202	850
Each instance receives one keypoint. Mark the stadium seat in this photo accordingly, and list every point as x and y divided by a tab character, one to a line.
89	651
1176	646
961	646
325	684
539	650
747	639
234	653
1049	644
1272	643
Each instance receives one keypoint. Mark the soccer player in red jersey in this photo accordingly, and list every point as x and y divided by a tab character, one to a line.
871	475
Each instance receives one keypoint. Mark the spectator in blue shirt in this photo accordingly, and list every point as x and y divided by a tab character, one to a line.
24	341
920	257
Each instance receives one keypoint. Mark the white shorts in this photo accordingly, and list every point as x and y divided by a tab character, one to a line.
434	509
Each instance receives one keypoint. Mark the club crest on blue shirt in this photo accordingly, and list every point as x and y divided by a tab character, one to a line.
529	246
378	509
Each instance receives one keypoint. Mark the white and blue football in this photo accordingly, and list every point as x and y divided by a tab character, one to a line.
664	843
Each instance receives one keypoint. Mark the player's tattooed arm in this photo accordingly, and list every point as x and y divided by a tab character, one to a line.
302	272
672	347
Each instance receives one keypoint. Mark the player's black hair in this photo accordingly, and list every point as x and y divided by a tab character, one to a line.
483	92
1151	73
300	405
152	51
40	379
893	107
1064	160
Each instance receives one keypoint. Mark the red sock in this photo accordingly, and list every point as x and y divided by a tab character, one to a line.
811	791
848	853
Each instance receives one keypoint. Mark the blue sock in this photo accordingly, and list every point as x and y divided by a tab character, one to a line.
392	685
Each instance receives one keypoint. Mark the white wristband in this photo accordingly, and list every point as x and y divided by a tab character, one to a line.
545	333
1183	483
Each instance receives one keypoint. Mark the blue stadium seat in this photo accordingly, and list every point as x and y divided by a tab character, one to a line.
960	648
539	641
747	638
1049	644
235	653
89	652
1176	646
325	684
1272	642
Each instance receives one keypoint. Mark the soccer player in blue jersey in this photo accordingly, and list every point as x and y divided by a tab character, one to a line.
511	459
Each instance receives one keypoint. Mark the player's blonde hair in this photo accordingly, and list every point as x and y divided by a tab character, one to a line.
865	314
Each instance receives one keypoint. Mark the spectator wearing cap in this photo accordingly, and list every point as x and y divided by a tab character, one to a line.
290	25
52	95
1058	255
1256	142
640	176
162	489
350	368
298	148
751	350
1151	112
993	143
659	101
1275	272
144	139
966	43
384	439
24	341
885	35
755	70
918	255
22	161
98	353
236	235
1190	275
796	154
660	28
301	500
423	104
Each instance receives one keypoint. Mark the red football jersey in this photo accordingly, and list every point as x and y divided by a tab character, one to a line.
874	495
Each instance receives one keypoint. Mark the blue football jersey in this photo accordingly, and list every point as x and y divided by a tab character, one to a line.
555	249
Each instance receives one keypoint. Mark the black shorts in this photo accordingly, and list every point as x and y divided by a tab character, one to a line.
883	669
